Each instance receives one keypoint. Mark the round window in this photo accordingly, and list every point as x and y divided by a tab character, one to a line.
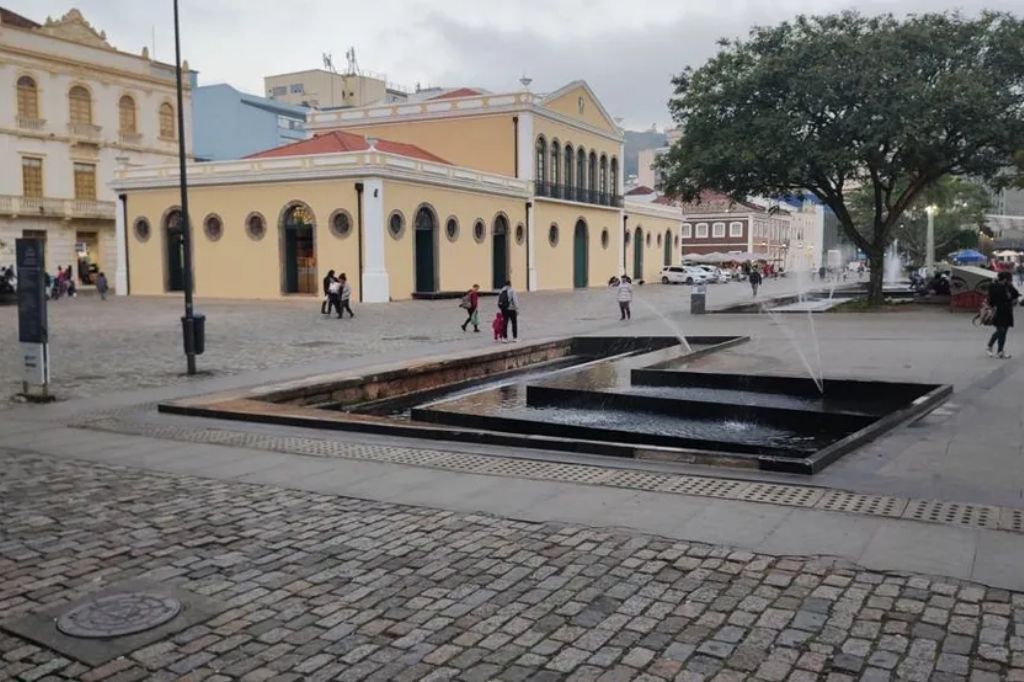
627	237
604	238
142	229
396	223
479	230
451	229
553	234
213	227
255	226
341	223
520	233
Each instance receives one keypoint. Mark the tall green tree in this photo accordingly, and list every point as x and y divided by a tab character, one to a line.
833	104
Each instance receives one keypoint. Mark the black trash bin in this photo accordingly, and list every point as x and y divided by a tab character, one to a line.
194	334
698	299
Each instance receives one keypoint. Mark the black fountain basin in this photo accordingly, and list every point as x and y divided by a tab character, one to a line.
629	397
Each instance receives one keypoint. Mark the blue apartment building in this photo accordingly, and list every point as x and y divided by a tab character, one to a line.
230	124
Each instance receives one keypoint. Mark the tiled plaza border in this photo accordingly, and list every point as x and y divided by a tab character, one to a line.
811	497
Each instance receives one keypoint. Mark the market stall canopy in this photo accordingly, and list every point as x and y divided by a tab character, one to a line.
967	256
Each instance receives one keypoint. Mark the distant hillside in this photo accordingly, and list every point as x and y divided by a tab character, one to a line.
636	141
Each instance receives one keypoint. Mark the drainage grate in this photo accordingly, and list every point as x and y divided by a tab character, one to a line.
855	503
936	511
639	480
705	487
789	495
1012	519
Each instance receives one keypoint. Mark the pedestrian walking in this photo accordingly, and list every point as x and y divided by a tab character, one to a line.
471	304
101	286
346	296
755	280
1001	297
625	296
508	303
327	293
1020	275
334	296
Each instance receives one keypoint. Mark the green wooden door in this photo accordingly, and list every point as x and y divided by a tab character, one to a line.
175	252
426	238
499	253
580	277
291	266
668	248
638	253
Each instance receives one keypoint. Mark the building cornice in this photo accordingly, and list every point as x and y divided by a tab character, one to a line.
460	107
92	66
577	204
99	144
370	163
653	211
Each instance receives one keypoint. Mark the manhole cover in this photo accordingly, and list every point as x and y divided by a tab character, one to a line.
121	613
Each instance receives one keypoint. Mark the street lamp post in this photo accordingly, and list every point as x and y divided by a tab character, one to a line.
188	321
929	242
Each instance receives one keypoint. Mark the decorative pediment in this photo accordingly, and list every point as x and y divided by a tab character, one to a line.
73	26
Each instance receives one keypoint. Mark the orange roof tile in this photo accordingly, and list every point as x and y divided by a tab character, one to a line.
458	92
338	141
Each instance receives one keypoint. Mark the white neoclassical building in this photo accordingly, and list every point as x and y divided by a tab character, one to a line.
73	109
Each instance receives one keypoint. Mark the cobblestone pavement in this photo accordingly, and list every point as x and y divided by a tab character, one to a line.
321	588
99	347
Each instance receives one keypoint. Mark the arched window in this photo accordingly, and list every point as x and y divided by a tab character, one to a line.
28	99
80	106
581	174
167	121
556	168
604	179
615	179
570	159
592	178
542	162
126	114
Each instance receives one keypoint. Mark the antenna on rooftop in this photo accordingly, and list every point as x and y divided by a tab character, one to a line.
329	62
353	64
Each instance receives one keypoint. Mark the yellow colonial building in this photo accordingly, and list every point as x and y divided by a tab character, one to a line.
413	199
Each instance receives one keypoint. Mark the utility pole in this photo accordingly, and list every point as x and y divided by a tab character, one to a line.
188	325
929	242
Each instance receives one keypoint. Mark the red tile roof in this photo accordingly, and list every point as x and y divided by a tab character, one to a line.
338	141
711	201
638	190
458	92
11	19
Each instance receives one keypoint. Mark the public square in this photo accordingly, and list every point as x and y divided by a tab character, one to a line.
344	556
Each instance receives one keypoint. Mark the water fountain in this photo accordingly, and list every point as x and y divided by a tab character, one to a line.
632	397
893	266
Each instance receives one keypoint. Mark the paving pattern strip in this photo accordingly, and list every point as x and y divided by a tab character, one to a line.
926	511
321	587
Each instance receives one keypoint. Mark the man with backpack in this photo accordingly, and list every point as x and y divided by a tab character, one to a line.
755	280
471	304
508	304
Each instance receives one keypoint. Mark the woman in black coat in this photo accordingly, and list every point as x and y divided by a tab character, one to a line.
1001	297
324	310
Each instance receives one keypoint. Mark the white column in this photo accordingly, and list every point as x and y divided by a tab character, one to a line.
531	251
376	288
621	241
929	255
121	238
527	145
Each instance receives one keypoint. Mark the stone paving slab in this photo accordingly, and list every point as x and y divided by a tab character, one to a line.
324	587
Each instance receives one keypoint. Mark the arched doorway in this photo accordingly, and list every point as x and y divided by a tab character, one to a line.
499	252
638	253
426	240
668	247
580	244
174	231
297	225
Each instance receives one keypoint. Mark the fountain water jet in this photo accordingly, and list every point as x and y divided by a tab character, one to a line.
669	323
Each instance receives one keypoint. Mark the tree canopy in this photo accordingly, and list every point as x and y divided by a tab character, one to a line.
844	103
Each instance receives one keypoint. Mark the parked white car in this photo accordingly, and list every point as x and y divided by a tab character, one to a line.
715	274
683	274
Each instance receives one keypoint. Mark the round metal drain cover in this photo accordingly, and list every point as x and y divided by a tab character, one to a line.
115	615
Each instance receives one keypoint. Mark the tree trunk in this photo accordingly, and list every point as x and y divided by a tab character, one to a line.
876	259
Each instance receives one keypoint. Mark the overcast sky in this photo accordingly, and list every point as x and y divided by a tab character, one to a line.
626	49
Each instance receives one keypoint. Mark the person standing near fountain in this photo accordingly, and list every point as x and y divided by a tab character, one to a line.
755	279
625	297
1001	298
508	303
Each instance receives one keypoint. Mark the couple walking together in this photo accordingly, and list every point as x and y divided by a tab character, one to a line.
507	315
337	295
